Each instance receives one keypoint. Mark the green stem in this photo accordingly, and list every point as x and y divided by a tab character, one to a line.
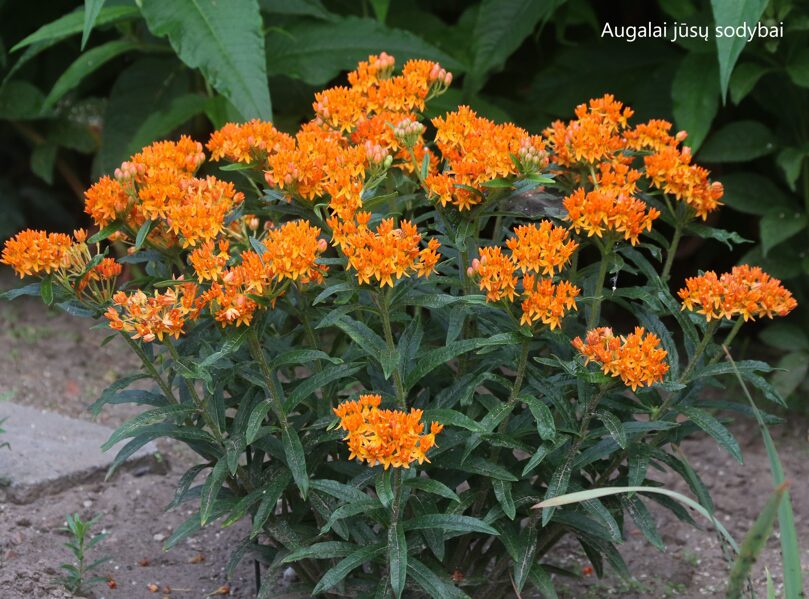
150	368
710	331
269	381
595	307
675	242
383	301
729	339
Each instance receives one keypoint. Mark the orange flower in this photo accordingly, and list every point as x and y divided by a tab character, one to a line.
368	73
496	272
208	263
248	142
292	252
654	135
671	171
602	210
34	252
200	213
340	108
637	358
388	437
104	272
184	155
543	249
745	291
547	302
594	135
385	254
106	201
475	151
150	318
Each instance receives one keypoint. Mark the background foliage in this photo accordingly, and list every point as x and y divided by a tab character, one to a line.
85	85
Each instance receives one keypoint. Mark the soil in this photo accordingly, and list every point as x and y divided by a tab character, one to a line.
54	362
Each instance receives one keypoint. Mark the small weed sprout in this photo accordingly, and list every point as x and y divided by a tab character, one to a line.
79	575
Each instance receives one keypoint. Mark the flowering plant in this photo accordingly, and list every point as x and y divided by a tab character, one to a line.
385	341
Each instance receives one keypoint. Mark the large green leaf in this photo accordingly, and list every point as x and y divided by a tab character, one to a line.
91	10
716	429
147	87
753	194
733	13
20	100
84	65
695	92
798	68
397	558
73	23
317	52
449	522
223	40
346	565
778	226
738	142
500	29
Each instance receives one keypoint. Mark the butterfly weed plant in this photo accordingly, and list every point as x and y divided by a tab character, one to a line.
386	351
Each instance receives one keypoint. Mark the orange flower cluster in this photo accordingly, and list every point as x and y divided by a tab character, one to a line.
292	251
637	358
248	143
671	171
158	184
475	151
32	252
385	254
594	135
388	437
745	291
199	213
603	210
150	318
105	272
547	301
542	249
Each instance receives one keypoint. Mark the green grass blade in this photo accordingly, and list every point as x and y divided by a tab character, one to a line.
753	544
790	550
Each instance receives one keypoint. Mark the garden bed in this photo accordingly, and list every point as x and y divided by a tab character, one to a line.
54	363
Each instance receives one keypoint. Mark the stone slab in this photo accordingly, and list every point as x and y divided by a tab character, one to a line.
49	453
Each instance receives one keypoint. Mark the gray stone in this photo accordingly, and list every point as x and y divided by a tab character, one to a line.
50	453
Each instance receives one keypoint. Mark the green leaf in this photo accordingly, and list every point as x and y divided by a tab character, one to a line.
579	496
146	88
733	13
140	238
753	544
46	290
695	92
296	459
223	40
500	29
73	23
546	427
614	426
429	485
346	565
753	194
449	417
363	506
744	79
450	522
502	491
715	429
161	124
307	8
298	357
785	336
397	558
91	10
738	142
798	68
210	490
777	227
791	161
542	581
371	343
324	550
318	381
87	63
318	52
43	158
269	501
434	585
19	101
643	520
132	426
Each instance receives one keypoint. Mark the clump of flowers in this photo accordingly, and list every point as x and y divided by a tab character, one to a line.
746	291
637	359
388	437
392	258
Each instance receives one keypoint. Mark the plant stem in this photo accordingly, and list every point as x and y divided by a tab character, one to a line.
383	301
729	339
267	375
150	368
595	308
675	242
710	331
